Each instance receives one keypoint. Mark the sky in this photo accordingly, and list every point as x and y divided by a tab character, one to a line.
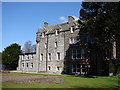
21	20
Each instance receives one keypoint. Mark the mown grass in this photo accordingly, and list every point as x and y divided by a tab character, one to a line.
70	82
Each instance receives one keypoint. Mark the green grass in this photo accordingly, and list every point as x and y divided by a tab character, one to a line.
70	82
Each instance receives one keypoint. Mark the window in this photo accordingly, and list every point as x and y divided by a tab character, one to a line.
27	64
58	68
43	34
73	40
78	54
73	54
76	68
49	56
45	45
41	57
72	29
49	68
31	65
70	40
55	44
22	64
82	53
57	32
58	56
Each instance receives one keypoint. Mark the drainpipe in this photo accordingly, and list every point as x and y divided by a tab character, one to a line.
46	52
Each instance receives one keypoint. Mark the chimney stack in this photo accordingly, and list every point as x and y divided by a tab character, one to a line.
45	24
71	20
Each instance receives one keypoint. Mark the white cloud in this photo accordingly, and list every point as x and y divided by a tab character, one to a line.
76	18
62	18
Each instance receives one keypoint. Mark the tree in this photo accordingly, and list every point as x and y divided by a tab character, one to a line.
102	23
0	58
10	56
28	47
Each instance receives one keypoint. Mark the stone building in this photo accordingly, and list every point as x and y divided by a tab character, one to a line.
61	48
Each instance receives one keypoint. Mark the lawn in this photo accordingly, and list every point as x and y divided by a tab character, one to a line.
69	82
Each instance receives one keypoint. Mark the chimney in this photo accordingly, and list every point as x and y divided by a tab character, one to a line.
45	24
71	20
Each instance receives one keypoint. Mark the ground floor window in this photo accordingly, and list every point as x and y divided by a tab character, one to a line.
79	68
49	68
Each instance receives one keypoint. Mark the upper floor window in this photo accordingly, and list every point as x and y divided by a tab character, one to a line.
55	44
43	34
41	57
78	54
45	45
72	29
57	32
73	40
31	65
27	64
58	56
22	64
49	56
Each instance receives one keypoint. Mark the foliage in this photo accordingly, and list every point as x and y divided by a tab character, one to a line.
111	67
10	56
102	21
28	47
0	58
103	25
70	82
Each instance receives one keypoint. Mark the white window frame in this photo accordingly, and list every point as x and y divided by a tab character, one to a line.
58	56
41	57
70	40
71	29
49	68
49	56
43	34
27	65
82	53
45	45
31	66
55	44
58	68
23	65
56	32
72	54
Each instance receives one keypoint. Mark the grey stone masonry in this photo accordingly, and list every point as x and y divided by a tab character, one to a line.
58	50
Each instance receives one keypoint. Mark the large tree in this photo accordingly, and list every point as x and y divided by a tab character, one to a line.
10	56
0	57
102	22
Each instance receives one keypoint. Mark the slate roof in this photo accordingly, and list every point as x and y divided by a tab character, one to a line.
52	28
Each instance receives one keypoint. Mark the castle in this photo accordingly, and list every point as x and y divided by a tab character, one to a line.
61	48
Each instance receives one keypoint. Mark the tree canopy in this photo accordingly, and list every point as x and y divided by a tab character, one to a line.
10	56
28	47
102	23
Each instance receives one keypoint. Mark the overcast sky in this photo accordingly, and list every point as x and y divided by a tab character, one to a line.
21	20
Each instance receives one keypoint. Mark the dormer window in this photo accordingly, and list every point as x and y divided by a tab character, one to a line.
71	29
43	34
56	32
73	40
